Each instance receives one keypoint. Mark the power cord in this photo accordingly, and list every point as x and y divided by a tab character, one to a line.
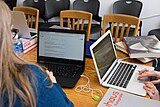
86	88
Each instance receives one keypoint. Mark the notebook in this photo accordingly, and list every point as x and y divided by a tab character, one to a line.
117	98
19	22
113	72
62	51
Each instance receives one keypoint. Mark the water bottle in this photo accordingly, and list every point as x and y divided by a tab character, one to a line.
18	47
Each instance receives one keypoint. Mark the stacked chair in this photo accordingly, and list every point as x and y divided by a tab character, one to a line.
91	6
129	7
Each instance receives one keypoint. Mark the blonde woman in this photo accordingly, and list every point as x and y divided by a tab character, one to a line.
23	84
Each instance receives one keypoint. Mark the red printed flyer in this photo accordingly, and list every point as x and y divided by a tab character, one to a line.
117	98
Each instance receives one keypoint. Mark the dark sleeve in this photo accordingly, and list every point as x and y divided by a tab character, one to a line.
156	65
49	97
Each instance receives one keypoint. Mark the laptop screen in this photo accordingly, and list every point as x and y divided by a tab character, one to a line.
104	54
62	44
19	22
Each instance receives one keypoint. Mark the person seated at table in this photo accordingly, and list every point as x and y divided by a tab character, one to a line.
150	85
23	84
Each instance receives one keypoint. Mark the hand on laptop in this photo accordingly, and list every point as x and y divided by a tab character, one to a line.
52	78
147	73
151	90
149	85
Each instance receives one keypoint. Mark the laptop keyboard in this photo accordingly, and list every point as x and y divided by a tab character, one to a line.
68	71
122	78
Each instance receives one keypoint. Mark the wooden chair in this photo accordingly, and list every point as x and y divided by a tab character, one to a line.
32	15
76	20
122	23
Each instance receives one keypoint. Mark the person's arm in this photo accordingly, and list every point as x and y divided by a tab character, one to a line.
49	97
52	97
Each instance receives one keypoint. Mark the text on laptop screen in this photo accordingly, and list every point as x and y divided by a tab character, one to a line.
61	45
104	55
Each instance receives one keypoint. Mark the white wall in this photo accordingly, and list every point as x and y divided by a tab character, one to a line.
20	2
150	15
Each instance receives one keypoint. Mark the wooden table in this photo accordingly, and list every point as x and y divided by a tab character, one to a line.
83	99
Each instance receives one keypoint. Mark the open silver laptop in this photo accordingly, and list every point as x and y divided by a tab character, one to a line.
19	22
113	72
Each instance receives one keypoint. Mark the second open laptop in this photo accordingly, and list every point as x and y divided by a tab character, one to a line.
62	51
113	72
19	22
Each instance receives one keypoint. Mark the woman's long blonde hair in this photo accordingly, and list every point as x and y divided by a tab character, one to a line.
11	72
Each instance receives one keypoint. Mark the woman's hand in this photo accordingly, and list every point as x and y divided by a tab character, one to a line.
151	90
147	73
52	78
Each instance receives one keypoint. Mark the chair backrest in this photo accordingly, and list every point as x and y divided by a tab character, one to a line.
123	21
53	7
39	4
49	8
32	15
76	20
91	6
128	7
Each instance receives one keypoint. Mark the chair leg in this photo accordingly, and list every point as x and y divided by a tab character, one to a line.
140	31
46	21
140	28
